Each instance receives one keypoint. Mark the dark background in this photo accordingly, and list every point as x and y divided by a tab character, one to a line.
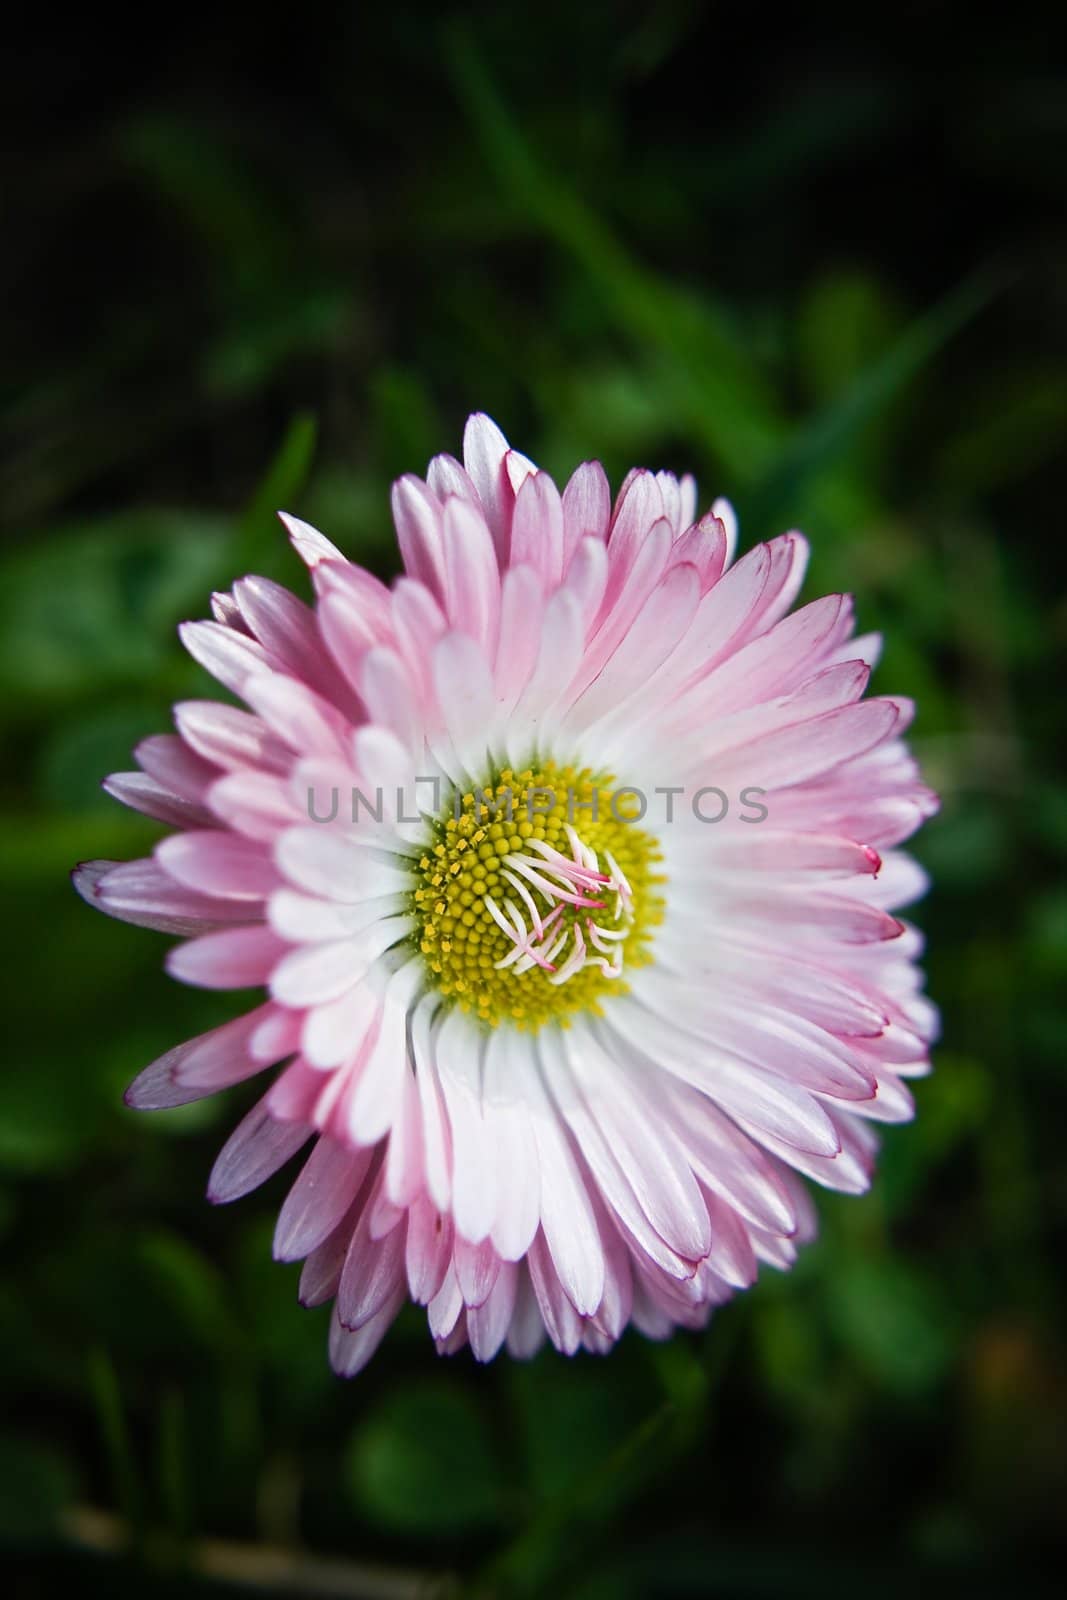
274	259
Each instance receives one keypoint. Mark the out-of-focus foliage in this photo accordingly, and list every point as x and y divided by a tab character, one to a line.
276	264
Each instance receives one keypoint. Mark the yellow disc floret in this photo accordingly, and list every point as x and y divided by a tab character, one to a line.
535	893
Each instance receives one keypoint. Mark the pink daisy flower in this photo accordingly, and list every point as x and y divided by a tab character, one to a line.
569	866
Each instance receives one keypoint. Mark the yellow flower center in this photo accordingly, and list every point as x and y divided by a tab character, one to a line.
536	893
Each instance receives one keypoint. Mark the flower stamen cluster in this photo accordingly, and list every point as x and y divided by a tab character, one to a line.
526	916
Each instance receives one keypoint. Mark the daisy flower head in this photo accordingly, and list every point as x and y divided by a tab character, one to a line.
569	865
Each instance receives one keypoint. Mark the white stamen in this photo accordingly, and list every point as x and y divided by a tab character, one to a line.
528	900
624	895
574	962
608	968
563	882
497	915
574	871
584	854
551	891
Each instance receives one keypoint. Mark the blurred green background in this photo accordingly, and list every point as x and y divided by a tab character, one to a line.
274	262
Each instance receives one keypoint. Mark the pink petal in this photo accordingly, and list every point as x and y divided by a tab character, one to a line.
254	1152
233	958
201	1066
537	528
168	760
219	863
417	516
351	1350
228	737
228	656
371	1275
142	893
308	542
484	449
586	508
428	1250
321	1196
472	577
488	1323
142	793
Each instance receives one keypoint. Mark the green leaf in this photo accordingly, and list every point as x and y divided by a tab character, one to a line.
350	504
216	196
406	420
190	1288
261	544
1013	425
719	392
81	750
41	850
424	1463
288	1338
846	322
1046	931
36	1486
47	1119
953	1105
893	1319
118	1447
307	317
85	607
173	1465
825	439
571	1419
